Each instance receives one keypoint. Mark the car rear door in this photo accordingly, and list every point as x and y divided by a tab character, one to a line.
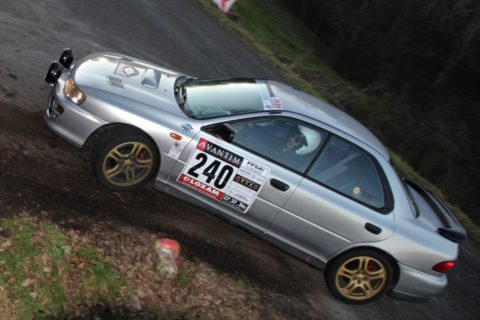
342	201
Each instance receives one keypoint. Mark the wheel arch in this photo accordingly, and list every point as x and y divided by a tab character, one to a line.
389	257
109	128
114	133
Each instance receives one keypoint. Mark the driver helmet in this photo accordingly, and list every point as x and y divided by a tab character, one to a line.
312	139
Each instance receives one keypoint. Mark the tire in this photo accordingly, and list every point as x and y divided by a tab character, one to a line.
359	277
124	159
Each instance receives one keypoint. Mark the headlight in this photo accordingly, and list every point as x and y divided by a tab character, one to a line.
73	93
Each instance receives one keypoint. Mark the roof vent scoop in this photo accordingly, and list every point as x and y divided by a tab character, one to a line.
151	78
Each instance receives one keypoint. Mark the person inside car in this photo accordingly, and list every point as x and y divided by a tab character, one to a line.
292	139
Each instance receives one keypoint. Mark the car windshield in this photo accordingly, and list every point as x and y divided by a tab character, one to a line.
204	99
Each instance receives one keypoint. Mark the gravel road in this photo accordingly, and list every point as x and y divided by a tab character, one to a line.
37	167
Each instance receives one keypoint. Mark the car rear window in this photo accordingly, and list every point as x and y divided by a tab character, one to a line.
217	98
349	170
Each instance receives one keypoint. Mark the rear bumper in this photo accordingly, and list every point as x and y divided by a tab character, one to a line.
73	124
417	285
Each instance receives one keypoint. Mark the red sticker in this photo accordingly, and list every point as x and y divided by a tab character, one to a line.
200	187
202	144
277	104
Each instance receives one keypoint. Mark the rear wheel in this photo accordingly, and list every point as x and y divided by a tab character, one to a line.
124	159
359	276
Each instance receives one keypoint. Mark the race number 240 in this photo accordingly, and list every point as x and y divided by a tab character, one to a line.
217	171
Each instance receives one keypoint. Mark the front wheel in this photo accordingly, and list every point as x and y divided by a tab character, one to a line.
359	277
125	161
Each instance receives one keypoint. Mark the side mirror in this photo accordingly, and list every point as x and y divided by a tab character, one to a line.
224	131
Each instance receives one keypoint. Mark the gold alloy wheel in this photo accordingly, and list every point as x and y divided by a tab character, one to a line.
360	278
127	164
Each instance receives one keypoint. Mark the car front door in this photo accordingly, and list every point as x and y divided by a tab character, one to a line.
248	178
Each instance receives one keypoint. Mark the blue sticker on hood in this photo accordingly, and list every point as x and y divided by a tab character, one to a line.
186	127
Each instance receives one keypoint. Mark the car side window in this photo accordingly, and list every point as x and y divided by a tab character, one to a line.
283	140
349	170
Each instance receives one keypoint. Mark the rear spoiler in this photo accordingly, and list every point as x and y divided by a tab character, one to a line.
452	229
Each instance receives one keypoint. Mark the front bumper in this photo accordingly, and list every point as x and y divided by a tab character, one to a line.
67	120
417	285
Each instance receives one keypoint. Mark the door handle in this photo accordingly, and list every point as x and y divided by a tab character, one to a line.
373	228
279	185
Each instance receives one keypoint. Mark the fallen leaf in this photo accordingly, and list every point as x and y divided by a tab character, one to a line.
28	282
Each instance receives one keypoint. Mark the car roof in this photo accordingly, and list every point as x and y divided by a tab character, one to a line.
300	102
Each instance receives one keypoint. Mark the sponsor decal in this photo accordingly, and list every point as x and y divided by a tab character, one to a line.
176	149
234	203
356	190
186	127
202	144
256	168
262	86
239	192
270	102
276	104
126	70
200	186
219	152
223	175
246	182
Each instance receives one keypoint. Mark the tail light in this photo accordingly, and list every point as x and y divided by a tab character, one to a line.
444	267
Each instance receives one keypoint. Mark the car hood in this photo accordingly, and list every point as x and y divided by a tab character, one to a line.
129	77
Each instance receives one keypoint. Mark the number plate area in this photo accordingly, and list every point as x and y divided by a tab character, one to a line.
223	175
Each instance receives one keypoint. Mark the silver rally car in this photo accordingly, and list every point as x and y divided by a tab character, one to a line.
285	166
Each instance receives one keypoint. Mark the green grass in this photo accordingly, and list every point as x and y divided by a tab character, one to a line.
286	44
39	274
185	277
282	40
99	277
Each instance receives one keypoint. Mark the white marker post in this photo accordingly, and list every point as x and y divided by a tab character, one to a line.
224	5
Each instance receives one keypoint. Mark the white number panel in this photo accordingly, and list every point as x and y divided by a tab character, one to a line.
223	175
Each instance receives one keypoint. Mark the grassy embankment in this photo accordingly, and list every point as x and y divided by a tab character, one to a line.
110	271
44	273
290	47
